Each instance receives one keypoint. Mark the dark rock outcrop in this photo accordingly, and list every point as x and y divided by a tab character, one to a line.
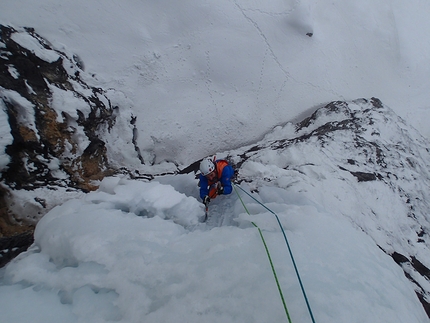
12	246
45	149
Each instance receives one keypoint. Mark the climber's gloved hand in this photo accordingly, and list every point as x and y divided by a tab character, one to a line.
206	200
219	188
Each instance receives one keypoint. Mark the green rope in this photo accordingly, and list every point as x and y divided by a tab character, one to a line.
289	250
268	256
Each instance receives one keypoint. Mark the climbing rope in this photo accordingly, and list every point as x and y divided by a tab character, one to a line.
288	246
268	256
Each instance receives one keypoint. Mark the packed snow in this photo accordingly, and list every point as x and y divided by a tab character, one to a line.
136	251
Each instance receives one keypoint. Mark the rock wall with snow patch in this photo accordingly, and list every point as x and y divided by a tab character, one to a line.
56	130
362	162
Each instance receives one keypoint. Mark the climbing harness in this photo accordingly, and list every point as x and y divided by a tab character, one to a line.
268	254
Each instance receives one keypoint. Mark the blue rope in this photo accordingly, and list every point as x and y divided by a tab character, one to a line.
289	250
269	257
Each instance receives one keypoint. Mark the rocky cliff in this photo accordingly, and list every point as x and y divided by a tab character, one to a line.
52	126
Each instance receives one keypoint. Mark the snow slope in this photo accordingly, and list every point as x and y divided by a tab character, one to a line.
113	264
205	77
137	251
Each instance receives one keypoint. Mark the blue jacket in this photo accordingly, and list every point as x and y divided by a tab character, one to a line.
225	177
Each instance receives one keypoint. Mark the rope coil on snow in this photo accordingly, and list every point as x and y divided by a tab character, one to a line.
289	250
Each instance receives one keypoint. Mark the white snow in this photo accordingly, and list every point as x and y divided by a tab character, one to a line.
205	77
5	136
12	71
33	45
135	251
24	109
64	101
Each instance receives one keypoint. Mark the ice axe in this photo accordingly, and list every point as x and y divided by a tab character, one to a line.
206	212
206	202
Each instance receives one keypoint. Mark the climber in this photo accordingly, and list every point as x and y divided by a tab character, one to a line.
215	178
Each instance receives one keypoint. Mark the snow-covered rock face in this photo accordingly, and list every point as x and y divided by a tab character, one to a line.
53	140
53	124
361	161
357	159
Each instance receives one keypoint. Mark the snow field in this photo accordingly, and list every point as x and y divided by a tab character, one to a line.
131	251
